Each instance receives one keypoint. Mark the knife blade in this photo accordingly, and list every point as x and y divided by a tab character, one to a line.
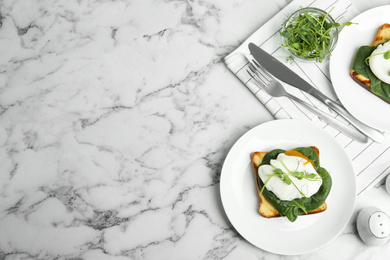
283	73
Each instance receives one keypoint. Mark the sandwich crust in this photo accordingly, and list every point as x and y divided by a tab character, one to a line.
266	209
382	36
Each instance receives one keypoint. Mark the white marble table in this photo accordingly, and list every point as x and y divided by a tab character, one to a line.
115	119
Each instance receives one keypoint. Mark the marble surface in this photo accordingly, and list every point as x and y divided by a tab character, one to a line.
115	120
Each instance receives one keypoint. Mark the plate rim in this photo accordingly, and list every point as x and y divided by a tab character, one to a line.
356	110
289	123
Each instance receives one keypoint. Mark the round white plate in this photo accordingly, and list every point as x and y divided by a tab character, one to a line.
358	101
278	235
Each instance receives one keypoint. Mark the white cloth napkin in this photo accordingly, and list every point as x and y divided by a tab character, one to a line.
371	161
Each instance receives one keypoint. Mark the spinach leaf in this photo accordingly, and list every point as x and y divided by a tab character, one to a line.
359	65
309	153
271	155
292	209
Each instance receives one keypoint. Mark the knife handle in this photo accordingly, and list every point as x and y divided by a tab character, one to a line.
350	131
374	134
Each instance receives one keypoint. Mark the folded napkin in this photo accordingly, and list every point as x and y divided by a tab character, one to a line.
370	160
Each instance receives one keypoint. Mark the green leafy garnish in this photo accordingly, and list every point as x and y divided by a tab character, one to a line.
281	175
308	35
285	177
387	55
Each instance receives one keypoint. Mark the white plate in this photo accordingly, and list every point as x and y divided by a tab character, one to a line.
358	101
278	235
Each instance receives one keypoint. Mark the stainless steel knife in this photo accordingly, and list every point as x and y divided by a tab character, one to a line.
283	73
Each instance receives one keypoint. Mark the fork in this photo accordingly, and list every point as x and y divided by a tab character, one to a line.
274	88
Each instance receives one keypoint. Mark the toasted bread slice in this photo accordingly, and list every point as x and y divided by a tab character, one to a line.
382	36
266	209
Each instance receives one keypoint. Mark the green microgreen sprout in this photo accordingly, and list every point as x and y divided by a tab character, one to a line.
385	54
277	172
308	35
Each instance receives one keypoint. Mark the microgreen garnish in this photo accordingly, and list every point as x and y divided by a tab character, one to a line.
385	54
277	172
308	35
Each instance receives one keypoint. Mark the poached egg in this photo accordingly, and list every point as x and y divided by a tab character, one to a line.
379	65
287	163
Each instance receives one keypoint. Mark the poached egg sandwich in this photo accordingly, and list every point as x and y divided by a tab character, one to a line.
379	62
291	183
290	177
371	65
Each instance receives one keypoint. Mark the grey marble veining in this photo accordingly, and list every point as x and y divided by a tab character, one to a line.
115	120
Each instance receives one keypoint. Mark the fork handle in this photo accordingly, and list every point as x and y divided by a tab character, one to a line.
374	134
350	131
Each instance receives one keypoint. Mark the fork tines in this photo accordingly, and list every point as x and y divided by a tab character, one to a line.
258	73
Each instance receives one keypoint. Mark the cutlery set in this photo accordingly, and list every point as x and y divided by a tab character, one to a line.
274	88
264	67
